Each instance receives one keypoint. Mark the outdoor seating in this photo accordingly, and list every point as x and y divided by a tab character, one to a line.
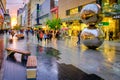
20	36
12	51
31	67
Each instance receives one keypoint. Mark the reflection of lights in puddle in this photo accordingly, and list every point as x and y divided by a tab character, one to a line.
110	60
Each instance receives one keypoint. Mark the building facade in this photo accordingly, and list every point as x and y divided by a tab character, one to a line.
41	11
19	16
54	9
7	20
44	13
37	12
2	12
33	13
69	13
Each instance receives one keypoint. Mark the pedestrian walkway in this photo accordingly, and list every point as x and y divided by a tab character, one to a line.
106	58
103	62
48	67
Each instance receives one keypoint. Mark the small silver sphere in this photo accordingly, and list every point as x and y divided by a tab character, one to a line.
90	14
92	38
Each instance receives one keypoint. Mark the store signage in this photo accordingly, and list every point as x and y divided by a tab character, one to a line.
103	24
116	16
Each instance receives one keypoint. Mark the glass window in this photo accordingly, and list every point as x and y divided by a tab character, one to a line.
68	12
73	11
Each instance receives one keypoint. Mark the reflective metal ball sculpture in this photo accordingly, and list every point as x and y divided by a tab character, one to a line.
92	37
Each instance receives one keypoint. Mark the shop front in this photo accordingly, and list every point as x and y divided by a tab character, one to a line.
111	15
108	24
1	19
72	25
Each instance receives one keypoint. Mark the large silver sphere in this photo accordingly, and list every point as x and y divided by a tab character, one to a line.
92	38
90	14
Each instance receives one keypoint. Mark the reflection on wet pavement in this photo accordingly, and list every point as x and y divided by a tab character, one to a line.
64	60
70	72
48	67
13	70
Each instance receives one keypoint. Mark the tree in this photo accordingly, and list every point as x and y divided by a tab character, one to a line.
16	27
54	24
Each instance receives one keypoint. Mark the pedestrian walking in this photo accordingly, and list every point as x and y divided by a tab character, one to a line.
45	36
79	33
50	35
111	35
27	33
12	33
38	37
41	35
57	35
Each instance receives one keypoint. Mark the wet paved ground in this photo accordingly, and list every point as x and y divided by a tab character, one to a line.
64	60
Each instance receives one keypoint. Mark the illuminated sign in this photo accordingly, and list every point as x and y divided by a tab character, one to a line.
103	24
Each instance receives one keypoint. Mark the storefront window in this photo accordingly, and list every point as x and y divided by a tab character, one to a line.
74	11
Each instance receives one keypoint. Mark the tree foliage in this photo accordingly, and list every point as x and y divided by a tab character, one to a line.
54	24
16	27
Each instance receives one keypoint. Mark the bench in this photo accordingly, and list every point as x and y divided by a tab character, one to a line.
20	36
12	51
31	67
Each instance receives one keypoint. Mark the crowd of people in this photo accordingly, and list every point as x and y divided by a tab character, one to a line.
39	33
47	35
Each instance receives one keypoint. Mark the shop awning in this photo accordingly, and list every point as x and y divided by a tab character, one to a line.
54	9
70	18
111	13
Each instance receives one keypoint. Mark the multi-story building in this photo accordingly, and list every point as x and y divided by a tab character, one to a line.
2	12
22	16
39	11
29	14
36	12
19	16
54	9
33	12
44	11
7	20
27	17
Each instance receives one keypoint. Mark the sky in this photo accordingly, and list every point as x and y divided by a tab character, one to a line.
13	6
